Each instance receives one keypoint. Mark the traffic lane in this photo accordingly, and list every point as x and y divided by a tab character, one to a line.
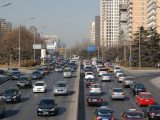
119	106
31	100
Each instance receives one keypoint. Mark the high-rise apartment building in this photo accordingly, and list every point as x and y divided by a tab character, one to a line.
97	31
5	26
109	27
137	16
93	33
153	10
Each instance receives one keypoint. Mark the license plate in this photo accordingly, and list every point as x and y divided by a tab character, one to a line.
8	100
94	100
45	113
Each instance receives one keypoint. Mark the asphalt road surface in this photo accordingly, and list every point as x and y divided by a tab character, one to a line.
119	106
26	110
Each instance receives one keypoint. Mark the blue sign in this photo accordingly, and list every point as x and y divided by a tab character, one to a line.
91	48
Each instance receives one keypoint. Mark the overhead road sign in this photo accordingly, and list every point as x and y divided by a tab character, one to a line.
37	46
91	48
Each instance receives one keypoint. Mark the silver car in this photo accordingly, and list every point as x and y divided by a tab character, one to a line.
117	93
60	88
127	81
67	73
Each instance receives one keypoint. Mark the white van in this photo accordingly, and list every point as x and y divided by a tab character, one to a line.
2	107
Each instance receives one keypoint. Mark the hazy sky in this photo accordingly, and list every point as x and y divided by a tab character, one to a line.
69	19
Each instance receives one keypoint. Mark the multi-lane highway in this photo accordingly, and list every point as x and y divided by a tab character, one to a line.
120	106
26	110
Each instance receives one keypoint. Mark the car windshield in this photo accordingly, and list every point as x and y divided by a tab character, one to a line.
147	96
10	91
16	73
15	69
104	112
36	72
89	73
90	80
105	75
155	108
39	84
23	78
139	86
117	90
3	77
95	86
67	70
134	115
47	102
95	94
60	85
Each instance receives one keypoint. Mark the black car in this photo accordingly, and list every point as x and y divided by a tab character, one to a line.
12	95
137	87
15	75
36	75
24	82
152	112
47	107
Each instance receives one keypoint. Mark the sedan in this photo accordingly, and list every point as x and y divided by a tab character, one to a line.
144	98
39	86
36	75
105	77
136	88
90	81
117	93
47	107
15	75
94	99
67	73
132	114
12	95
103	113
152	112
60	88
24	82
95	88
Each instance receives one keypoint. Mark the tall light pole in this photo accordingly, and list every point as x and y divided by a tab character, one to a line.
20	39
139	45
6	5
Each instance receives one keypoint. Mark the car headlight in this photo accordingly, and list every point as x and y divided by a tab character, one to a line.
14	97
39	109
52	109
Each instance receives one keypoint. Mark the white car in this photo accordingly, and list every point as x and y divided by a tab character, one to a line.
95	88
102	71
67	73
89	75
39	86
118	73
60	88
105	77
116	68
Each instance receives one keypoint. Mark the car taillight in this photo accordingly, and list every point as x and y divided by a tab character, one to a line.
123	94
98	118
112	93
152	114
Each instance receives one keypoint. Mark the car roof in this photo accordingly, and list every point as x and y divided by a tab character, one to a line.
145	93
60	81
40	82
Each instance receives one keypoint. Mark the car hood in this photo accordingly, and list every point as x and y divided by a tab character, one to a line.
8	95
46	106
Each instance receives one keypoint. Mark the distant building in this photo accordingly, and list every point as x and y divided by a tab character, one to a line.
5	27
93	33
153	10
137	16
122	23
109	25
97	31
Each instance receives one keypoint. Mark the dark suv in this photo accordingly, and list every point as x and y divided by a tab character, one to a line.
24	82
12	95
47	107
137	87
152	112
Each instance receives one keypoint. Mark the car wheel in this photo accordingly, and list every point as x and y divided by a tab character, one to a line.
19	100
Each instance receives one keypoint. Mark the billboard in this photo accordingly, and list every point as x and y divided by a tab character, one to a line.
37	46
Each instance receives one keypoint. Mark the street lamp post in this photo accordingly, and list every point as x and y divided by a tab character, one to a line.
139	45
20	40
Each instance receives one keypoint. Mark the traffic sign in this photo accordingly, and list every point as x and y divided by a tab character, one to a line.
91	48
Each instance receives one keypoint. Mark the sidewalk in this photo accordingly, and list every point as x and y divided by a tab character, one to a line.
156	82
142	70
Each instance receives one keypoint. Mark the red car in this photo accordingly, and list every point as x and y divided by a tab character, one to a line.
144	98
94	99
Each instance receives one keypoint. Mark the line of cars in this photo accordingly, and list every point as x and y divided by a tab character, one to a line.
46	106
95	91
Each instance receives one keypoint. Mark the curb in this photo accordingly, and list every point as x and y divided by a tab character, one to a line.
78	73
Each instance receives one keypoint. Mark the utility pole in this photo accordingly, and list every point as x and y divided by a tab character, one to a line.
98	53
140	47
